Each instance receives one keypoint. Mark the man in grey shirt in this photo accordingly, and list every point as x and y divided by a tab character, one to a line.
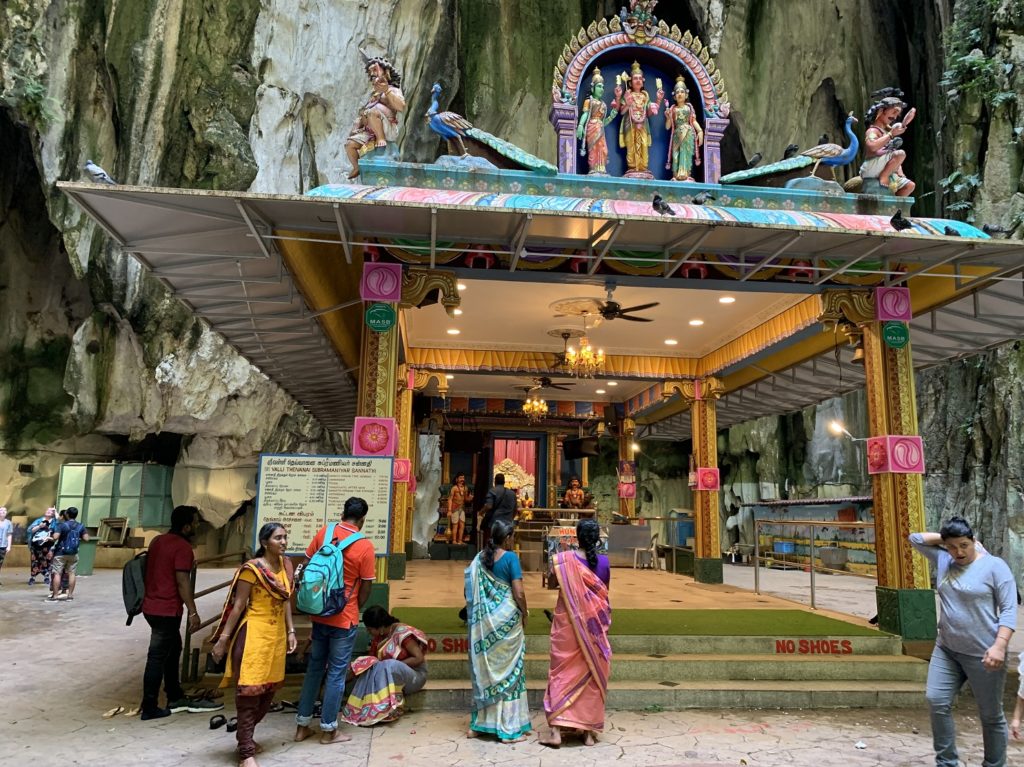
499	504
6	535
978	615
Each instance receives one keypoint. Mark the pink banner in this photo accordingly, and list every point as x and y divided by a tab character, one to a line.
521	451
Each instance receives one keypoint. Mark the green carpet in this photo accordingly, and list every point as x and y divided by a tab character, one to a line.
790	623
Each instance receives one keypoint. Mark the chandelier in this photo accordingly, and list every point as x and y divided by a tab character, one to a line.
535	408
585	361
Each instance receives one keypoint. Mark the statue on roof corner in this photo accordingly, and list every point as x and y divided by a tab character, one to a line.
636	107
686	134
377	123
593	118
883	142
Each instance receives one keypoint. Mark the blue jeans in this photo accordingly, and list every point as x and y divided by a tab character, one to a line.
330	655
947	673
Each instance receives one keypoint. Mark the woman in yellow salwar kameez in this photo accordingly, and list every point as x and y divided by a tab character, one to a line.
255	634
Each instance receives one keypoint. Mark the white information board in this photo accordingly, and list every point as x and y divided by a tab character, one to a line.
305	492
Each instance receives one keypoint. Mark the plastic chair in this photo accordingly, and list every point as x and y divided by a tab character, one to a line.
644	557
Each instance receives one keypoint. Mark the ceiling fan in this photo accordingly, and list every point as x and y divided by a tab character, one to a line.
543	382
609	309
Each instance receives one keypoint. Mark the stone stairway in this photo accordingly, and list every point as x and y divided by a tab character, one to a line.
677	672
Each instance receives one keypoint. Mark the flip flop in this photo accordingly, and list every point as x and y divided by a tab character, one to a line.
113	712
217	720
132	712
287	705
232	724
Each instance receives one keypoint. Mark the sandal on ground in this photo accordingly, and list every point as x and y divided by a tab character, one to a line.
113	712
217	720
275	707
232	724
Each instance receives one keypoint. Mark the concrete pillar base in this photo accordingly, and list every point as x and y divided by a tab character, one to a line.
396	567
707	570
910	613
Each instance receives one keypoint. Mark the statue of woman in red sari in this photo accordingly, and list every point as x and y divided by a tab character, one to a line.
593	119
636	106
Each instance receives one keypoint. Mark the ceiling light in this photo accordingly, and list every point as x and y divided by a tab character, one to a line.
599	391
727	300
611	383
695	323
461	286
453	331
534	409
670	342
449	376
635	447
457	312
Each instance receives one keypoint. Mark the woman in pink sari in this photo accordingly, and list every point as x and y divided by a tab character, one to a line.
580	652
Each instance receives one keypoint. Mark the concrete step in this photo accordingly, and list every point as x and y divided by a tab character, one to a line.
731	667
882	644
456	695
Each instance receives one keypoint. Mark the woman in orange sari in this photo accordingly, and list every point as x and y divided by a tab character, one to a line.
255	632
580	652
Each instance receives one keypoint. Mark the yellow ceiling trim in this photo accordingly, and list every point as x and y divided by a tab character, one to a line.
631	366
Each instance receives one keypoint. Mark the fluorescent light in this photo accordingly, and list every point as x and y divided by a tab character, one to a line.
599	391
727	300
461	286
457	312
453	331
835	427
611	383
696	323
449	376
670	342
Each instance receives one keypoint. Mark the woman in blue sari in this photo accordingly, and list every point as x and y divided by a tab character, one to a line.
496	607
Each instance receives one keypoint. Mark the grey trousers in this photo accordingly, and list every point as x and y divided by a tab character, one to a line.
947	673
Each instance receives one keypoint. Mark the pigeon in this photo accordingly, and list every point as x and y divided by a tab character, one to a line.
791	150
703	197
894	143
991	229
823	139
97	174
883	93
950	231
754	160
661	206
898	222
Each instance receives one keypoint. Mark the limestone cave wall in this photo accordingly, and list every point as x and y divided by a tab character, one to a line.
96	361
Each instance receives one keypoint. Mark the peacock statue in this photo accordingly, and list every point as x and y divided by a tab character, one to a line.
834	155
456	129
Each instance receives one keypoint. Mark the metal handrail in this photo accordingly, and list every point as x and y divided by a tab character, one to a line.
190	665
812	524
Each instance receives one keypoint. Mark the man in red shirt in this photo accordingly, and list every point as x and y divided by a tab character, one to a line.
169	562
334	636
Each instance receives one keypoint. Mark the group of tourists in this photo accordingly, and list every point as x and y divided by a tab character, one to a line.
497	615
53	541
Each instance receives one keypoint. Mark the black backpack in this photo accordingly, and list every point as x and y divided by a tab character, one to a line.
133	585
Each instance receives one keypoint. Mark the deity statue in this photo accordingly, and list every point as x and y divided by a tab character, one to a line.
377	123
593	118
885	157
636	107
687	135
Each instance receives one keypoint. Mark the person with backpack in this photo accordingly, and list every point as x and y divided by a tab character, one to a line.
337	574
500	504
40	545
168	591
67	536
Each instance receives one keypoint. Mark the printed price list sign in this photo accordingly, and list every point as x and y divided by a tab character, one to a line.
305	492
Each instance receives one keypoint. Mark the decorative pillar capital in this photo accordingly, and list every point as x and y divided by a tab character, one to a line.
422	379
417	283
693	389
846	307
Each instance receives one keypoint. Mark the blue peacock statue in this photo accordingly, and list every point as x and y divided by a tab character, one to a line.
834	155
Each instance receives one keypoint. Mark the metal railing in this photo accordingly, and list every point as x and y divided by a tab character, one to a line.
812	567
190	657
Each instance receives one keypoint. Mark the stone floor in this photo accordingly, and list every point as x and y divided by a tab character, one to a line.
65	664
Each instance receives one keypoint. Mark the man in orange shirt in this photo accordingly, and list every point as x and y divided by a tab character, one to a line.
334	636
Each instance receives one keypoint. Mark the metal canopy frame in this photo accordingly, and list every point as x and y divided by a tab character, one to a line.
216	252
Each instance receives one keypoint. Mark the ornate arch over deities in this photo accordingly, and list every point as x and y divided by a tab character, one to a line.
633	28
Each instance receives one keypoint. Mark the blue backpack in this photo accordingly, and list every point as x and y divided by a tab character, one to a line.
70	537
321	588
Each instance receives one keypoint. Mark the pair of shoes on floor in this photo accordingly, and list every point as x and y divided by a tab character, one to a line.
219	721
194	706
156	713
51	599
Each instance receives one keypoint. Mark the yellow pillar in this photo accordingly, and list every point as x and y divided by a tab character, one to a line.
702	394
906	604
400	491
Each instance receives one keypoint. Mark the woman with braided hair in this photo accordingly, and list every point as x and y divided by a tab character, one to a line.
496	612
580	652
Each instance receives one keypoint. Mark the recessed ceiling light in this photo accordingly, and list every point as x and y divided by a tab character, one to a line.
695	323
449	376
461	286
599	391
611	383
727	300
457	312
453	331
671	341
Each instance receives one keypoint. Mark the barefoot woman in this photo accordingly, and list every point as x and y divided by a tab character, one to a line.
255	631
496	606
580	652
